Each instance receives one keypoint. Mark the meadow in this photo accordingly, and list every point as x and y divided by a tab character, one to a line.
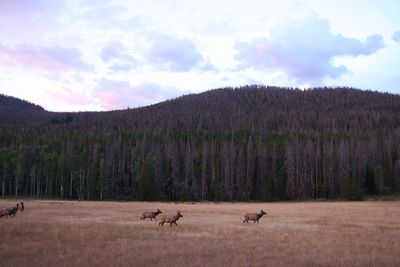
70	233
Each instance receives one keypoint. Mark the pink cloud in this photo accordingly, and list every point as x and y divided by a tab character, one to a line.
53	58
70	97
115	94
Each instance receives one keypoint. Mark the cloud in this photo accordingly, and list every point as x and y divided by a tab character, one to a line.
396	36
69	97
53	58
117	94
304	50
30	20
114	53
27	7
177	55
103	14
122	67
111	51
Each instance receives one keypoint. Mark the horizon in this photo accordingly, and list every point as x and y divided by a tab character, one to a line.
195	93
146	53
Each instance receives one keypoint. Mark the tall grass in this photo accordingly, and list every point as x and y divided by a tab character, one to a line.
60	233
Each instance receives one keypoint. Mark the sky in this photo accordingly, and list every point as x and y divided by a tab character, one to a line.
93	55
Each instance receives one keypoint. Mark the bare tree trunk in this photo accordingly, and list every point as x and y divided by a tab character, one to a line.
87	185
47	182
70	186
249	168
16	186
4	179
3	187
80	185
32	181
37	186
204	171
101	190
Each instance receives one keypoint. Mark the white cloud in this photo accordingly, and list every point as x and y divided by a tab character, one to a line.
176	54
304	50
116	55
396	36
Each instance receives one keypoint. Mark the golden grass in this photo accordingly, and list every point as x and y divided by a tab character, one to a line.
62	233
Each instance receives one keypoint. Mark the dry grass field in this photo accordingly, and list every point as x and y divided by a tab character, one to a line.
62	233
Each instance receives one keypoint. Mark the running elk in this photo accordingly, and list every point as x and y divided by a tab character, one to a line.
3	212
170	219
13	211
253	216
150	214
9	212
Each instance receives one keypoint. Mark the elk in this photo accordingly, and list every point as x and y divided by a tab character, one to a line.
150	214
13	211
253	216
3	212
170	219
9	212
22	206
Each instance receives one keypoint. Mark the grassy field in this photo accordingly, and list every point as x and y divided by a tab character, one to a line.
61	233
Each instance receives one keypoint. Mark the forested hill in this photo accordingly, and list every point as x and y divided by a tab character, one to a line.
248	143
12	104
16	113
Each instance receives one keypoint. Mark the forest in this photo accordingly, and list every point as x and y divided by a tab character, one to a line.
251	143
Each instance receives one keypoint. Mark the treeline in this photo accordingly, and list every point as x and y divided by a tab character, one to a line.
249	143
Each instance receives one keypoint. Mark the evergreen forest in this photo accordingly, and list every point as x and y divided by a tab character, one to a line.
250	143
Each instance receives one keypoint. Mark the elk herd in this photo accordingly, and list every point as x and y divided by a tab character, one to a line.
171	219
12	211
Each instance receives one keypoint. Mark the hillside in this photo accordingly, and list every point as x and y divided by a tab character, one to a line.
12	104
249	143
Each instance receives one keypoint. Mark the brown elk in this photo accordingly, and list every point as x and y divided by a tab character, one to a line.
253	216
13	211
150	214
3	212
9	212
22	206
170	219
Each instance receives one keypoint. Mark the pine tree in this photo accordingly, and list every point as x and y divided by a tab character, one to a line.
147	179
